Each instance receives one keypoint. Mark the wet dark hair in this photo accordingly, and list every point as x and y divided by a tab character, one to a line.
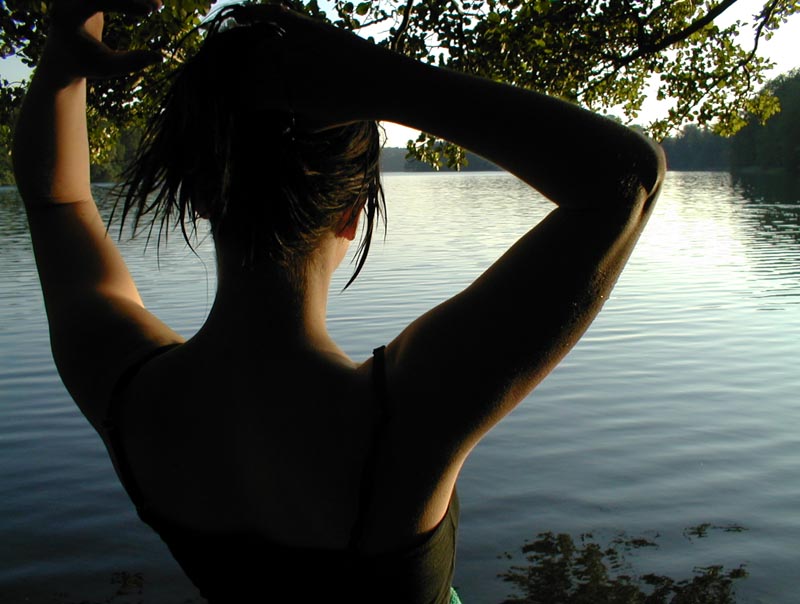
268	186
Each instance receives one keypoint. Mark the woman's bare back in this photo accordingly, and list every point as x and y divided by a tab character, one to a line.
275	444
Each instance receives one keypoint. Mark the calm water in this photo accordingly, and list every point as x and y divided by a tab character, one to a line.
678	408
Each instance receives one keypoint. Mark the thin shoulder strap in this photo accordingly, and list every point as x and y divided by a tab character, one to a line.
380	395
111	426
379	389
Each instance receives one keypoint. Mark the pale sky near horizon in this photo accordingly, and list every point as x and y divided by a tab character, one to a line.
783	48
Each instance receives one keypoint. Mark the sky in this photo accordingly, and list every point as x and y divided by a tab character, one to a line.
783	48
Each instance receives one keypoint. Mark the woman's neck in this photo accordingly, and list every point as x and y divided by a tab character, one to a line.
263	302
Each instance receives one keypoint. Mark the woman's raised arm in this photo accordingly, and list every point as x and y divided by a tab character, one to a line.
464	365
96	317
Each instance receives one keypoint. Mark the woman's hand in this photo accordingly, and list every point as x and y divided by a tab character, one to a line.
327	76
51	151
74	46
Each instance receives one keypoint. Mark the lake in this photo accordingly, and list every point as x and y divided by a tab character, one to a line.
665	447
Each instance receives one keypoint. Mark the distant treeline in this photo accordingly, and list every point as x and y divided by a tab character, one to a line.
770	147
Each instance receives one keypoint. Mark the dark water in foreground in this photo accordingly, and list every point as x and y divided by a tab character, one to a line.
673	427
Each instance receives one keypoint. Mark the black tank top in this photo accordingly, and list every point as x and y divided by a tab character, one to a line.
241	567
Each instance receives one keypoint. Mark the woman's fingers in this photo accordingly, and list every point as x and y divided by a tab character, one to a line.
97	60
77	33
111	63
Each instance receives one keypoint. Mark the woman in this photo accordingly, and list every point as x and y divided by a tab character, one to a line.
265	458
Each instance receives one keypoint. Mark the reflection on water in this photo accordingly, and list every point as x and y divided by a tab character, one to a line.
560	570
777	199
768	188
677	409
123	588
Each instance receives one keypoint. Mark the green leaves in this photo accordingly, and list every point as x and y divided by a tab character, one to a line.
601	54
436	153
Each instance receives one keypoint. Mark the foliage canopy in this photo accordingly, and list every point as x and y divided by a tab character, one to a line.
598	53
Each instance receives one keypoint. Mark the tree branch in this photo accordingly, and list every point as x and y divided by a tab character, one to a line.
374	22
397	45
766	14
671	39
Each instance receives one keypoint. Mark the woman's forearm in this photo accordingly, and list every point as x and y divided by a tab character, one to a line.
51	148
575	158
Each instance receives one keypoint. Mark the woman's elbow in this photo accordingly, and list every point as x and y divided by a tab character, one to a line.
641	179
655	169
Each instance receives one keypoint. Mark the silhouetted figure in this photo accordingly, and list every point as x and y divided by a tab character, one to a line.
274	467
